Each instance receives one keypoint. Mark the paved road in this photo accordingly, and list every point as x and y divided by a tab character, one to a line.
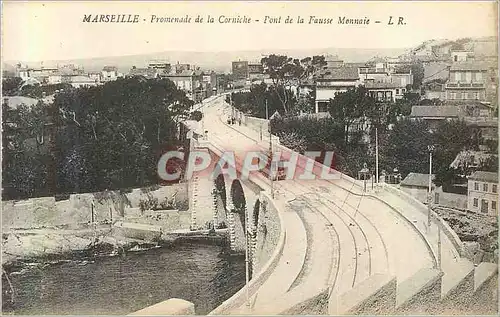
334	237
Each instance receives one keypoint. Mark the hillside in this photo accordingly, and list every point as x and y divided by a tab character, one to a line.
218	61
482	47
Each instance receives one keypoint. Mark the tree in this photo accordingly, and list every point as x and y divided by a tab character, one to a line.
406	147
105	137
282	71
417	69
196	115
355	105
11	86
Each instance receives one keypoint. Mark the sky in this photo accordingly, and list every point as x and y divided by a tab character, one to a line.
39	30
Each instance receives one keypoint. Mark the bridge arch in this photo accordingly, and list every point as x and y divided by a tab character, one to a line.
220	203
239	201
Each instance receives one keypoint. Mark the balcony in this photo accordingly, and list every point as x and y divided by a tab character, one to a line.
373	71
459	85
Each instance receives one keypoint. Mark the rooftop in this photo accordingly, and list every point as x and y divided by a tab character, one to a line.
490	177
109	68
417	179
434	111
341	73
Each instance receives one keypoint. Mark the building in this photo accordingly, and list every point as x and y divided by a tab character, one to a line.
80	81
209	81
417	185
482	193
148	73
240	70
95	76
330	82
461	55
179	68
385	92
333	61
109	73
161	65
190	81
40	74
54	79
434	114
466	81
386	83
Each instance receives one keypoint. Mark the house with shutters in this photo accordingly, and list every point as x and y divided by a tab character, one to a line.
482	193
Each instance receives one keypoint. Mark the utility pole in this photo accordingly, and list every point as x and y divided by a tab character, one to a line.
247	266
376	156
439	248
270	152
429	198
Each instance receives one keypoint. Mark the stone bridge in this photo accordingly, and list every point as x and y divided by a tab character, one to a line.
327	246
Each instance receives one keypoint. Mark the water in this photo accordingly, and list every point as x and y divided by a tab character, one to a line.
202	274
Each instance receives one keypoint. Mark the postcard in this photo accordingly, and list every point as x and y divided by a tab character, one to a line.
249	158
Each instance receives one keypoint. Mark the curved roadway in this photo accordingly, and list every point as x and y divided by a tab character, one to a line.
335	235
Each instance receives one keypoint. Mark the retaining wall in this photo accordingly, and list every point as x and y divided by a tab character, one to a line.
47	212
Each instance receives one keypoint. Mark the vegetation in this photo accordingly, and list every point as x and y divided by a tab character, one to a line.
196	115
91	139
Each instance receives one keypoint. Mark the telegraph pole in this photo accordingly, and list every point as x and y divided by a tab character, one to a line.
247	266
270	151
429	198
376	156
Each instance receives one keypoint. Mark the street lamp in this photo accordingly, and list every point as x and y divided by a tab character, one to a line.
430	148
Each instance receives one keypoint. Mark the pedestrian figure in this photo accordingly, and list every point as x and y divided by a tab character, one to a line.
239	121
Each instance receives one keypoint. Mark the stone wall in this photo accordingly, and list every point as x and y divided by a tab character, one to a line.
450	200
47	212
268	233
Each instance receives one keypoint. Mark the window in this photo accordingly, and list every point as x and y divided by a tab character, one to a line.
475	202
479	76
397	91
493	205
453	95
494	188
476	186
464	95
485	187
457	76
468	77
436	198
476	95
455	58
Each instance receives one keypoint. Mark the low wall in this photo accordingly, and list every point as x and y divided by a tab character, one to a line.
448	231
419	293
238	299
451	200
485	298
375	295
109	205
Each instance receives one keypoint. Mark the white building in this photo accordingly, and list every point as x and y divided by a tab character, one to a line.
109	73
482	193
331	82
82	81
